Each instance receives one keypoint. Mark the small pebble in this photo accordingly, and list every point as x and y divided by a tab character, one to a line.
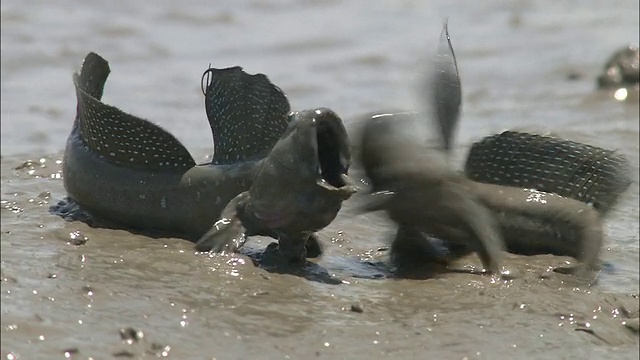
69	352
633	325
574	76
355	307
159	350
131	335
124	353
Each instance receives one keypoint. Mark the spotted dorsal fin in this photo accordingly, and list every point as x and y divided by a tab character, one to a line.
579	171
119	137
94	74
247	114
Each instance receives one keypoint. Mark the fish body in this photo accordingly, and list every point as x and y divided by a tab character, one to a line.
536	222
424	196
437	207
134	174
442	214
187	203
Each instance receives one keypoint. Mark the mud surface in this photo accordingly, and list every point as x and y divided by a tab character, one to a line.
72	291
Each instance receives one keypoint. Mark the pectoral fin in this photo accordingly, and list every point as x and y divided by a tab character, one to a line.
225	235
489	238
376	201
228	233
314	247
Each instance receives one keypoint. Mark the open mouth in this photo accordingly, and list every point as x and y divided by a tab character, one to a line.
333	156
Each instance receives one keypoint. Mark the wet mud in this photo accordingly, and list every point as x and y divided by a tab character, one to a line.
70	290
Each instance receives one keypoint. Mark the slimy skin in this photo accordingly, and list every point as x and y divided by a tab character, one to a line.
135	175
291	196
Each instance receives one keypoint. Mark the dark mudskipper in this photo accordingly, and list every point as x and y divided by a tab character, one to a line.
428	200
622	69
271	168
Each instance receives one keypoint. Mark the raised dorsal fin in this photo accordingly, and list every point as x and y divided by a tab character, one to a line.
579	171
94	74
445	87
119	137
247	114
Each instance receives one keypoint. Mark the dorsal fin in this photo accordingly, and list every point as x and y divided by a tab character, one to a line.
94	74
579	171
446	93
119	137
247	114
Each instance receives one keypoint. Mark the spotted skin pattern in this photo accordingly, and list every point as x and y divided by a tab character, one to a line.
122	171
246	117
127	140
578	171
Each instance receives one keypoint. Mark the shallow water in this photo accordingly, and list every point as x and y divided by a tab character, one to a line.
60	293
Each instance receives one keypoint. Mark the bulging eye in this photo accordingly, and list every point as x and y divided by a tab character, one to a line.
292	116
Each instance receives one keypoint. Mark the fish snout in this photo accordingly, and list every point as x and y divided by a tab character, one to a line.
332	153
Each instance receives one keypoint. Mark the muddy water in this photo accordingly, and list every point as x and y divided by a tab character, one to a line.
68	290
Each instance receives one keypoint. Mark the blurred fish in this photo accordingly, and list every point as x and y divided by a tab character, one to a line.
442	215
425	197
446	92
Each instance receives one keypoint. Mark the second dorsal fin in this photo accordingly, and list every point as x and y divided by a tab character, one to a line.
247	114
579	171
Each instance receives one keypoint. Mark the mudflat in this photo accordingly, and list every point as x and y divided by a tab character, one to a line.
80	292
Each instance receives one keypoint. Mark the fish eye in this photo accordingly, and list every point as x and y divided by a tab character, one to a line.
292	116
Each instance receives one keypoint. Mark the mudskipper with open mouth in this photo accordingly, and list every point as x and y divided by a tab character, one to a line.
273	173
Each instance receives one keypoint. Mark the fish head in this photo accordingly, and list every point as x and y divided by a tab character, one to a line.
392	153
301	184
